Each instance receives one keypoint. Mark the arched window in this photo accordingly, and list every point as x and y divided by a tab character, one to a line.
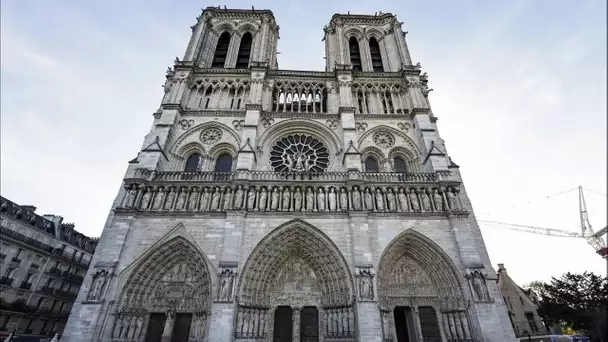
221	51
355	55
371	164
242	60
399	165
223	163
193	162
374	50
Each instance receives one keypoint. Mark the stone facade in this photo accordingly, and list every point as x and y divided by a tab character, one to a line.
270	204
43	263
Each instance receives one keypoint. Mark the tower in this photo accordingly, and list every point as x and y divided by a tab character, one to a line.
270	204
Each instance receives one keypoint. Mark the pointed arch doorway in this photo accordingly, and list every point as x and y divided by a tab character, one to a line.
295	286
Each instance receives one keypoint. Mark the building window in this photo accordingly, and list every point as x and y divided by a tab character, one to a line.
18	253
531	322
355	55
28	277
9	272
223	163
371	164
40	302
374	50
221	51
242	61
399	165
193	162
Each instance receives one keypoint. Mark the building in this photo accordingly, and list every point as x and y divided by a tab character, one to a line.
270	204
522	305
43	265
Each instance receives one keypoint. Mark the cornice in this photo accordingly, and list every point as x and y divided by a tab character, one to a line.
382	116
289	115
214	113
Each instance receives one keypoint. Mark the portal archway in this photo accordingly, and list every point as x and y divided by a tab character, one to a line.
296	268
167	295
420	292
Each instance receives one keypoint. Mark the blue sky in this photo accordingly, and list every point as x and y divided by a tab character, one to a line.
519	90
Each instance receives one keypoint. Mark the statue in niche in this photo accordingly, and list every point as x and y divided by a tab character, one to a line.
477	282
193	199
170	198
369	200
274	201
145	200
157	204
402	199
321	200
204	205
286	198
215	199
452	200
425	200
130	197
98	284
297	200
263	199
117	327
228	199
379	200
310	199
226	282
356	199
238	197
332	199
414	201
438	200
181	199
251	198
365	285
390	199
343	200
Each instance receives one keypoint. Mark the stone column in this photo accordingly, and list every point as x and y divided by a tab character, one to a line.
417	326
168	330
196	40
296	323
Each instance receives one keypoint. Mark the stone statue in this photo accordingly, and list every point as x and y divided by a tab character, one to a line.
402	200
204	205
425	200
438	200
369	200
193	199
170	198
130	197
274	203
332	199
226	286
365	285
97	286
479	286
238	198
181	199
321	200
414	201
297	200
158	199
286	198
310	199
390	199
356	199
452	200
263	199
117	327
379	200
343	200
251	198
145	200
215	199
228	199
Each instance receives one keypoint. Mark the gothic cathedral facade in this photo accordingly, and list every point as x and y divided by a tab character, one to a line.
290	205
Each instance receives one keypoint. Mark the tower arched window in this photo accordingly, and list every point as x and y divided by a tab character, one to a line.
223	163
242	60
371	164
221	51
399	165
193	162
355	54
374	50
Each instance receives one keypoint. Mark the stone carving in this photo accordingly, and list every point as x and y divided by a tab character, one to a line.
365	278
321	200
286	198
145	200
404	126
185	123
158	199
425	200
228	199
438	200
360	127
310	199
332	199
356	198
251	195
170	199
205	199
299	153
274	200
130	197
403	200
226	278
193	200
181	198
479	288
369	200
215	199
332	123
238	198
390	199
453	202
238	124
414	201
267	122
343	199
384	139
263	199
409	279
379	200
297	200
211	136
98	285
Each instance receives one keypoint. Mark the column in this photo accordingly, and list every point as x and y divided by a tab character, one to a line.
296	323
196	41
417	325
168	330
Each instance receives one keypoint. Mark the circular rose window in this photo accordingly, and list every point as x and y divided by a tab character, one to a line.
299	153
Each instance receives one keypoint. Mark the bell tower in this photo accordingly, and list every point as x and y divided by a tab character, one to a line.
370	43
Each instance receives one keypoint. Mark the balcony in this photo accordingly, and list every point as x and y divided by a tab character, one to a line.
6	281
65	294
25	285
72	277
48	290
59	253
55	271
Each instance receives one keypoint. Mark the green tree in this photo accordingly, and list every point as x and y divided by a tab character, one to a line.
579	301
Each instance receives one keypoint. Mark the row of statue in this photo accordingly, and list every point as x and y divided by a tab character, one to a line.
129	327
262	198
251	323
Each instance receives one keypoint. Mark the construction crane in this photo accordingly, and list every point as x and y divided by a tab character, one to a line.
594	239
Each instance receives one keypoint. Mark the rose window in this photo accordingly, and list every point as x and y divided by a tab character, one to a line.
299	153
211	136
384	139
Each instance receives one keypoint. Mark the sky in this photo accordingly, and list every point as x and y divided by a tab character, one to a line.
519	90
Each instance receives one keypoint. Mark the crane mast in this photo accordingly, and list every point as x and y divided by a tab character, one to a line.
593	238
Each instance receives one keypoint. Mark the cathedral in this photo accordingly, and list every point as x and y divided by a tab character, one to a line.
291	205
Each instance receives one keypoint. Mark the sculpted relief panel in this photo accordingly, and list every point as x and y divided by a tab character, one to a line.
296	284
408	279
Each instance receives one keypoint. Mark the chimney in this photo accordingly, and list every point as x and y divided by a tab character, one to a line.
29	208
